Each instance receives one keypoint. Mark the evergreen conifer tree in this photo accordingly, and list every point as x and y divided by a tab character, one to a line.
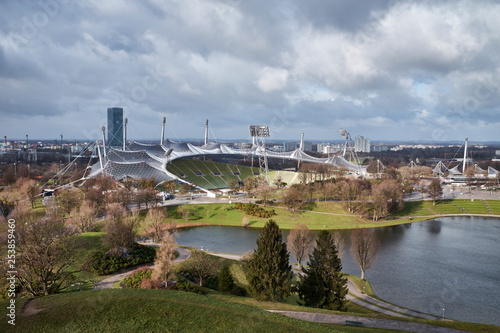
269	271
226	282
323	285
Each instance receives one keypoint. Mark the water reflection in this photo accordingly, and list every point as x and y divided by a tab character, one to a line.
434	227
458	270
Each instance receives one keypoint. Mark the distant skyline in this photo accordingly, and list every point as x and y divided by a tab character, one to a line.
384	69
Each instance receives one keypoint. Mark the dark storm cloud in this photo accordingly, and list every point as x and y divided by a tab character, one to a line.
383	69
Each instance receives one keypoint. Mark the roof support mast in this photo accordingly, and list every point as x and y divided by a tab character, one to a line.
206	132
104	140
465	155
125	121
163	131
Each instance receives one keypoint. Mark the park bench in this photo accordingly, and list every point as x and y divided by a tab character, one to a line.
353	323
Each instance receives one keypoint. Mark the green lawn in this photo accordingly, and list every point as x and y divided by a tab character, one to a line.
139	310
472	207
495	206
448	207
88	242
224	214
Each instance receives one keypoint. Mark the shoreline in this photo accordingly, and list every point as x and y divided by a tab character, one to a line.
386	223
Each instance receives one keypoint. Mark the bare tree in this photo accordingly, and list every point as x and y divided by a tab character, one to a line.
364	248
470	176
435	190
234	184
250	183
154	223
84	218
387	197
120	228
123	196
300	242
23	212
293	198
349	191
30	189
46	250
245	221
68	200
202	265
338	240
184	212
164	258
264	193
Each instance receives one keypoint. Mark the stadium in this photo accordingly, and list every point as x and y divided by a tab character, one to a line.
169	160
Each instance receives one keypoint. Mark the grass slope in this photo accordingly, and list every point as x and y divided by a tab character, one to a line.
132	310
328	215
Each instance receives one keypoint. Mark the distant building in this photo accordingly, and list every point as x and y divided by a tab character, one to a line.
115	127
308	146
497	152
361	145
289	146
329	149
379	148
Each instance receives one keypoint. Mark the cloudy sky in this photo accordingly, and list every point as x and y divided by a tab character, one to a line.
388	70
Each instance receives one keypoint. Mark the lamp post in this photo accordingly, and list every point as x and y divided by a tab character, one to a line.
443	313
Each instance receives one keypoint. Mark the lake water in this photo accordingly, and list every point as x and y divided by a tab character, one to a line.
450	263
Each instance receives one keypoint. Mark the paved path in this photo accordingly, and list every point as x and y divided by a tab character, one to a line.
362	299
368	322
108	282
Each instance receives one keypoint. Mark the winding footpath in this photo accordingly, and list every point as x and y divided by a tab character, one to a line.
354	296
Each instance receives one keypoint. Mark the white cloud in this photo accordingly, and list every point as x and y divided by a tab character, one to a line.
272	79
384	66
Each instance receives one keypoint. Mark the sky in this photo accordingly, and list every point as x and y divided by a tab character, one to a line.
383	69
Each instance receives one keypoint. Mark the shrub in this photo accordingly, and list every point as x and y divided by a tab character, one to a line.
188	287
137	278
238	291
254	210
101	263
149	283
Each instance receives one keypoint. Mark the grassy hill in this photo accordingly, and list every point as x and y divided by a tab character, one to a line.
139	310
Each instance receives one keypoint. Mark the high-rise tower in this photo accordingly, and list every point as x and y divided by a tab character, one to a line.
115	127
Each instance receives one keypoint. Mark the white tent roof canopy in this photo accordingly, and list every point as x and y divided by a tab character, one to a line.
150	160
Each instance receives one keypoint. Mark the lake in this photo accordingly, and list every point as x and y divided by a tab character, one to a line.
450	263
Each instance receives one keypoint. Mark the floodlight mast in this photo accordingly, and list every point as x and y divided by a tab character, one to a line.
259	133
348	138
